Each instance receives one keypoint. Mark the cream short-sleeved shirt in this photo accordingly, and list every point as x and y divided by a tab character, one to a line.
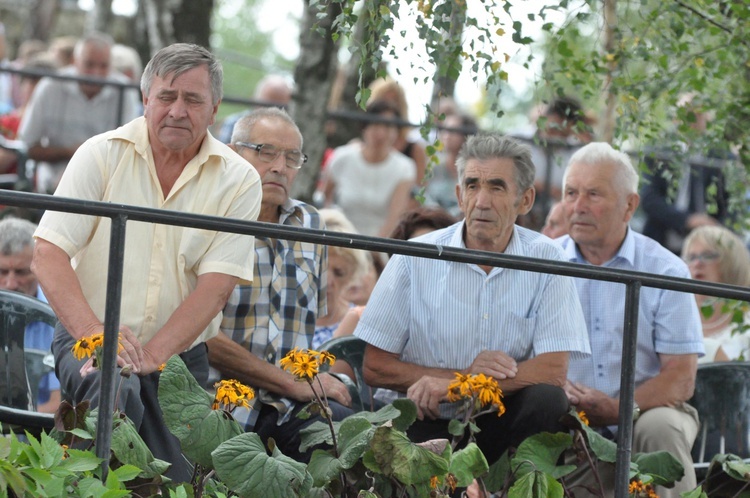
162	262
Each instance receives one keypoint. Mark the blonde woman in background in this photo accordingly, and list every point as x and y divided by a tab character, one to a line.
345	266
715	254
389	90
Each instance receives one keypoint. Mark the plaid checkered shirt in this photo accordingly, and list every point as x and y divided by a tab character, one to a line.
276	312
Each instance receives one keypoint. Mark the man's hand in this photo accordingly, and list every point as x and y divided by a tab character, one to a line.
600	409
427	393
334	388
132	351
496	364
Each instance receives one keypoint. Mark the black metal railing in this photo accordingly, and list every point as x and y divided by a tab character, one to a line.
120	214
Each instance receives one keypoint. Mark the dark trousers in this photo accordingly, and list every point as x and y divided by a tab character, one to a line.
138	398
531	410
287	435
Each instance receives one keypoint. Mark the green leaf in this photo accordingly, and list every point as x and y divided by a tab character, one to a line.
498	473
604	449
128	447
126	473
243	464
456	427
188	414
408	413
541	452
80	461
407	462
319	433
661	465
696	493
353	440
468	463
535	484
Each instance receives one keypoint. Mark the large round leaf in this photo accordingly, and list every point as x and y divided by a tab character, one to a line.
243	464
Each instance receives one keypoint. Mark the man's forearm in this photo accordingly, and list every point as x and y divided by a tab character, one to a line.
547	368
673	385
61	286
384	369
236	362
51	154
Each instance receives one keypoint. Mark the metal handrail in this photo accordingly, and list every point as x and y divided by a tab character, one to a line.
120	214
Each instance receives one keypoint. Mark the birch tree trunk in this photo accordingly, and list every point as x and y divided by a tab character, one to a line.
607	129
317	62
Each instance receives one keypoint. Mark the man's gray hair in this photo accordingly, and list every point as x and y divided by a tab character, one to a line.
15	235
491	146
94	38
243	128
179	58
626	177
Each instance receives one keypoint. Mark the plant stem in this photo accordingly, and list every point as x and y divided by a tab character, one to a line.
326	415
594	468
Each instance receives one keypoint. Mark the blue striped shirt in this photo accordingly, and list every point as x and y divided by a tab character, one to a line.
442	314
668	321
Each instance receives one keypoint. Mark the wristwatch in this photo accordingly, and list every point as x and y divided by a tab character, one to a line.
636	411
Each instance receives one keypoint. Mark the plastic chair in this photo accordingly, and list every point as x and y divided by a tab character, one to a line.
722	398
21	370
351	349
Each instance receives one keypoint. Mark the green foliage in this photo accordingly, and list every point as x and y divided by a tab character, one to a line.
188	414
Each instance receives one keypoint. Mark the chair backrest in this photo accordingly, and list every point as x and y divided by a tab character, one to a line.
352	350
722	398
18	383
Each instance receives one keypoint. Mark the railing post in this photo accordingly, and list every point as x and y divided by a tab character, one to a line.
627	389
111	340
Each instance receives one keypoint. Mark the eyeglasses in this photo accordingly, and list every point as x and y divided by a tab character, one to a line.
704	257
269	153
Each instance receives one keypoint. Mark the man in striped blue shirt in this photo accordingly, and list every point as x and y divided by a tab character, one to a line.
428	319
600	195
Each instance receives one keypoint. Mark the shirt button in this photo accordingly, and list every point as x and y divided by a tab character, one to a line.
486	316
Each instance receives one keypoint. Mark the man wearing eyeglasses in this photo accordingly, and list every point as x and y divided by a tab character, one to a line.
275	313
600	195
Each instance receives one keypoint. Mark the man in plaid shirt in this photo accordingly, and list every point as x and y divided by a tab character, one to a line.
275	313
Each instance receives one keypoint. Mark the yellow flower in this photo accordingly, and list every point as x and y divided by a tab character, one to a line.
460	388
85	347
232	393
485	390
434	481
162	367
306	366
325	356
583	417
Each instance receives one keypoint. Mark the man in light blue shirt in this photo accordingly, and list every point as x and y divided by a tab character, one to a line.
599	198
428	319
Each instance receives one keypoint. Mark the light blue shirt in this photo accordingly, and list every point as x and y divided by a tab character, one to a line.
442	314
668	321
38	335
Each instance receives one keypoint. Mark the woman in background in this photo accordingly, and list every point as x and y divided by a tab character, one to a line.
345	266
715	254
369	180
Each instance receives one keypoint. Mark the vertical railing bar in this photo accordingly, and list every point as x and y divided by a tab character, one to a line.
120	105
627	389
111	341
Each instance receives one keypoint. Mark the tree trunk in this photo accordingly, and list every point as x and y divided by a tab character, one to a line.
192	22
42	18
445	78
347	86
100	17
317	61
157	24
607	130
